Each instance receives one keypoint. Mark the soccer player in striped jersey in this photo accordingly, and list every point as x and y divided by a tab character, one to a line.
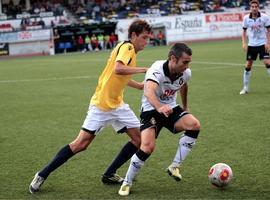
108	108
256	27
163	80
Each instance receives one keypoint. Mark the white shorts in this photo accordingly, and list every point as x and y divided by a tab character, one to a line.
119	118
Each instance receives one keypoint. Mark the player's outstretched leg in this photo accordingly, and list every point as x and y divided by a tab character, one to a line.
36	183
60	158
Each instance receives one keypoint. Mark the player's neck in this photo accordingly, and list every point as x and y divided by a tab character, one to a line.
254	15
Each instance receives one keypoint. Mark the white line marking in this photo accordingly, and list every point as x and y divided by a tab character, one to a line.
223	66
45	79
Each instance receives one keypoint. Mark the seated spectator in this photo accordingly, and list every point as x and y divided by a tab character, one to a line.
113	40
107	44
87	42
25	22
94	42
161	38
100	38
41	23
153	41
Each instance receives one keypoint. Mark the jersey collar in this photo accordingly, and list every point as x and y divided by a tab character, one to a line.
166	68
259	15
167	72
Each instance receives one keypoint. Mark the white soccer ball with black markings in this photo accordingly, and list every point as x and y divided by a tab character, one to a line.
220	175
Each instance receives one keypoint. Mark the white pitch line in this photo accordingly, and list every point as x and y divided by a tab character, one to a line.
223	66
45	79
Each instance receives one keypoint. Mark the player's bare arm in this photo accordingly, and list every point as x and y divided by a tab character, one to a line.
184	92
244	39
136	84
149	92
122	69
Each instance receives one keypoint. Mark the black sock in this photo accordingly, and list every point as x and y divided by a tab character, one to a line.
60	158
124	155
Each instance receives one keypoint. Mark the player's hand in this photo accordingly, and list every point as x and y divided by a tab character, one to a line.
145	69
244	47
266	47
165	110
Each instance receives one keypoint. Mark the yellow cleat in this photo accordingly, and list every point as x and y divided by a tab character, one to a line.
174	172
124	189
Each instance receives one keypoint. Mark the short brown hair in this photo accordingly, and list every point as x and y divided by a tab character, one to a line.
254	1
138	26
178	49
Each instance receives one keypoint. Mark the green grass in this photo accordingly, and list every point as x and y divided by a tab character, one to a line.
43	102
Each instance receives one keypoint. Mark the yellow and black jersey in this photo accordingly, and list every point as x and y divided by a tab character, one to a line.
110	88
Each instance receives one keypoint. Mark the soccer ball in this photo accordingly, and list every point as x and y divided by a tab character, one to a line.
220	174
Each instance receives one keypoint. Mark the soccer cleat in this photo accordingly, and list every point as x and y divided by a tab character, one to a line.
174	172
36	183
243	91
124	189
112	179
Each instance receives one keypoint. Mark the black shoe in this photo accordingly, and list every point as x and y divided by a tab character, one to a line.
112	179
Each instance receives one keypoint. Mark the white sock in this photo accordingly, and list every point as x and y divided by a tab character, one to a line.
246	77
184	148
268	71
134	167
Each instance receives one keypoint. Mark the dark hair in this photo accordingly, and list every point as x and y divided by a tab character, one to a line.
138	27
254	1
178	49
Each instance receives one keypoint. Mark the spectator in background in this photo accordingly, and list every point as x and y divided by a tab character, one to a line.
100	38
153	41
107	44
25	22
161	38
56	39
94	42
113	40
41	23
87	43
80	43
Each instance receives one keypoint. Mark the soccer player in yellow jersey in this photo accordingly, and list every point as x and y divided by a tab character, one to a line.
108	108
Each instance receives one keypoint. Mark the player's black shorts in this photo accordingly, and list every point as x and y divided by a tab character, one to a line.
252	53
154	119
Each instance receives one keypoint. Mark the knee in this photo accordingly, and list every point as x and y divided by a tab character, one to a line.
148	147
195	125
249	65
77	146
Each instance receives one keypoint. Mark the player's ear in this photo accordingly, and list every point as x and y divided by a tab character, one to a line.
174	59
133	35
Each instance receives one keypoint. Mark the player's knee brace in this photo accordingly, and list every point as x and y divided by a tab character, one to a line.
192	133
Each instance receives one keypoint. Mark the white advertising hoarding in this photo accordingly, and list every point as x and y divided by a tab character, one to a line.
25	36
193	27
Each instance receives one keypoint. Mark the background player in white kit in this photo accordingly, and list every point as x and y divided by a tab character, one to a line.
159	109
256	26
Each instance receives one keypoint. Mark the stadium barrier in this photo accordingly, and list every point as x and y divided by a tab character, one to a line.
206	26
